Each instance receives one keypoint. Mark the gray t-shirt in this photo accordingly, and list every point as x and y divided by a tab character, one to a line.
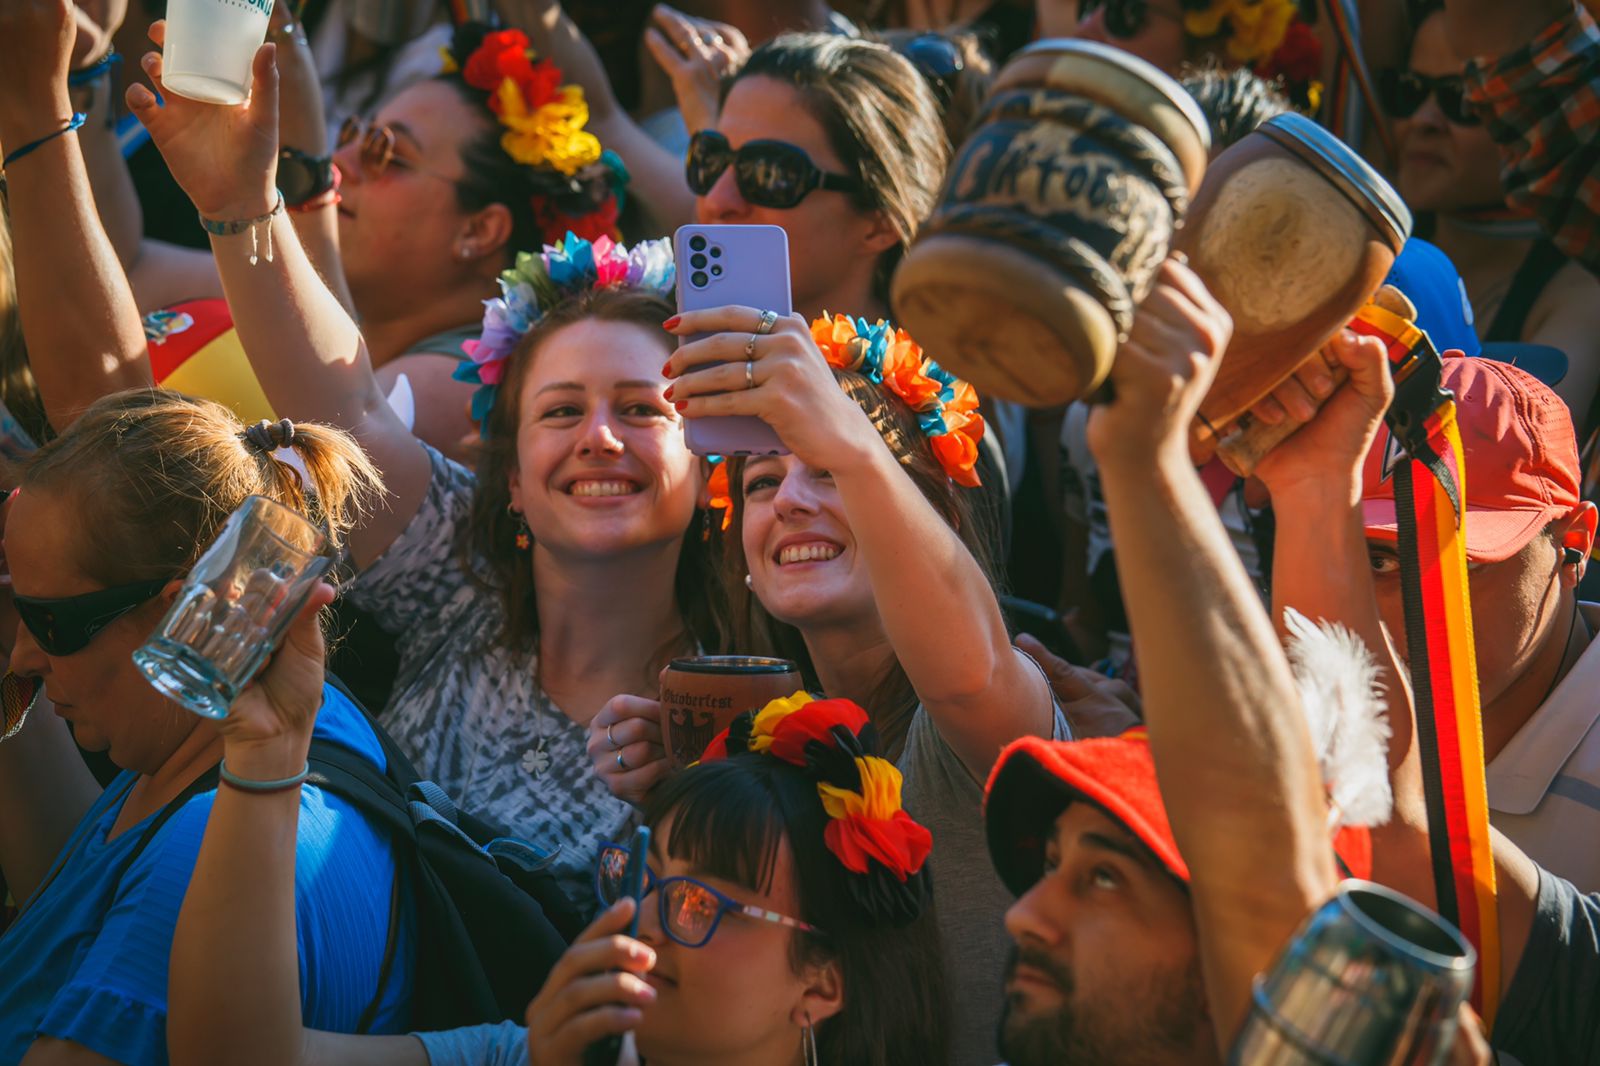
1551	1013
941	793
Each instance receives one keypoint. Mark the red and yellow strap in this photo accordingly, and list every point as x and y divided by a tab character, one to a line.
1429	490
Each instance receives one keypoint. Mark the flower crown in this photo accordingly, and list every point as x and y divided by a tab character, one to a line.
946	407
578	187
868	831
1268	36
538	283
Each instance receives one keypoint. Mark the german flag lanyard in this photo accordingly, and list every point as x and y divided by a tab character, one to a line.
1429	495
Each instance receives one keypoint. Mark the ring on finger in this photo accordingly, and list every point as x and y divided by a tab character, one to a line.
749	374
750	347
612	740
620	764
768	319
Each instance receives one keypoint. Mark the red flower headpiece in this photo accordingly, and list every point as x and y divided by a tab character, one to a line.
869	832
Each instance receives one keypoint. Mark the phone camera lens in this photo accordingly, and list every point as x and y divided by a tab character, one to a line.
716	270
697	243
697	261
699	279
716	252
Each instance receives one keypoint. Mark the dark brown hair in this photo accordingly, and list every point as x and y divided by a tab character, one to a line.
880	118
489	535
756	632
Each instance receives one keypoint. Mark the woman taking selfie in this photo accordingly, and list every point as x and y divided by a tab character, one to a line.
108	519
571	568
756	944
859	556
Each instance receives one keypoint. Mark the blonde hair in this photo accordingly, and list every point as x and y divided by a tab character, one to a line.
154	475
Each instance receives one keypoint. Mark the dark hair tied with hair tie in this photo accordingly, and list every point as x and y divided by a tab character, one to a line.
268	437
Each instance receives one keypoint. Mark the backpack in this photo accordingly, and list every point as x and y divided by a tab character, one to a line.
490	918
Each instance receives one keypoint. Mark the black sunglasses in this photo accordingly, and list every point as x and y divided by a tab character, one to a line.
768	173
1402	92
66	625
1125	18
938	60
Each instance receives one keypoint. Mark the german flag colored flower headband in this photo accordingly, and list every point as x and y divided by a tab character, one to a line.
578	185
946	407
868	831
1269	37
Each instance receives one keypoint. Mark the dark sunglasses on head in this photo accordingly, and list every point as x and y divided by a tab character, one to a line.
690	909
63	626
938	60
1402	93
768	173
1125	18
377	149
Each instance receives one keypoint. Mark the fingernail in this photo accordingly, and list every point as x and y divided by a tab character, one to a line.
666	370
680	405
1321	384
646	992
668	393
671	323
638	951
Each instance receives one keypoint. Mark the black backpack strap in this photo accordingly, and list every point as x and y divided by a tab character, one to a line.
206	782
1540	265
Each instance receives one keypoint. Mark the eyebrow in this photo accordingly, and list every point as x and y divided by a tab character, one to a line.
402	130
1127	847
574	386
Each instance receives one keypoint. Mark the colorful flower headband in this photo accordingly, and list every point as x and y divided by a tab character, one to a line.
868	831
1268	36
544	128
946	406
538	283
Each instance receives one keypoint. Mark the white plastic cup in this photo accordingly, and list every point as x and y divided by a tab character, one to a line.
209	47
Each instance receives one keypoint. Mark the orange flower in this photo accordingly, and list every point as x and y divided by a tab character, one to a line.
833	335
902	373
719	493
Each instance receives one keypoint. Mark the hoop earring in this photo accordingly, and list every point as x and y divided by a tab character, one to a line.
808	1042
522	536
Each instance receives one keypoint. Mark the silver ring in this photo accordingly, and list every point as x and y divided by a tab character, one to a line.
612	740
768	318
749	374
750	347
620	764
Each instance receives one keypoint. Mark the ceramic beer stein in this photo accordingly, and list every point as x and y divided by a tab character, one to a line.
1053	218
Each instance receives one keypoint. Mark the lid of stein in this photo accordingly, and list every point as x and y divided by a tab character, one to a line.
1351	174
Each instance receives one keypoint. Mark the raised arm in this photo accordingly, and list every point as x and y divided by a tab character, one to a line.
939	611
78	315
303	345
1238	774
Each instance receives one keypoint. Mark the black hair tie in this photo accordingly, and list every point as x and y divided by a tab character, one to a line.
268	437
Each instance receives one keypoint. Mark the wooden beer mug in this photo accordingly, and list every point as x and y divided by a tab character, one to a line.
1053	219
1293	233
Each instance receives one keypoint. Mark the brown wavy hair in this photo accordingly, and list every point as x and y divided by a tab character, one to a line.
488	542
758	633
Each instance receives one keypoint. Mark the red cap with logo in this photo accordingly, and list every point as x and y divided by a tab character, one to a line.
1035	779
1521	456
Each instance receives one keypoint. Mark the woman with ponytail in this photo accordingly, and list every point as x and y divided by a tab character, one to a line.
107	521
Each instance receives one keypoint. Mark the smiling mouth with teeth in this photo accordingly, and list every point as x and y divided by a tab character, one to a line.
808	553
602	488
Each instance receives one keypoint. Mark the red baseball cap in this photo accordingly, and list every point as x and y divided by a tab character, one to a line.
1521	456
1035	779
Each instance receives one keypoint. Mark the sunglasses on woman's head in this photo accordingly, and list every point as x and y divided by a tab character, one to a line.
66	625
1125	18
768	173
690	909
938	60
1403	92
377	149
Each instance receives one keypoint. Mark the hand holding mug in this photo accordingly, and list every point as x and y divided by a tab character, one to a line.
267	732
626	749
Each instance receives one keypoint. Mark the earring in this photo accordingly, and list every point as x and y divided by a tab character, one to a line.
1571	556
748	583
464	252
522	536
808	1042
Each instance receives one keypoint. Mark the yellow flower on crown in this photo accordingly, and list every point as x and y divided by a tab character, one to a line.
1255	28
552	134
767	719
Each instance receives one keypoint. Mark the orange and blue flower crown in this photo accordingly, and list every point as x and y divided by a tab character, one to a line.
868	831
539	282
579	186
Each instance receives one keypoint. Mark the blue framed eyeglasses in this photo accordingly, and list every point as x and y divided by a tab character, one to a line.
690	910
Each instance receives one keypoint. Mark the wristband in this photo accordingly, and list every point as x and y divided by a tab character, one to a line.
244	784
73	123
92	73
231	227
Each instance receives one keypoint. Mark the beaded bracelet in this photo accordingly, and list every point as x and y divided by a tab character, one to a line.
244	784
234	226
77	120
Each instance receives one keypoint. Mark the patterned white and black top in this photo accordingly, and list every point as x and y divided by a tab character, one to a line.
467	711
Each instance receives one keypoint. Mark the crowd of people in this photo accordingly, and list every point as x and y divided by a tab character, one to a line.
1055	787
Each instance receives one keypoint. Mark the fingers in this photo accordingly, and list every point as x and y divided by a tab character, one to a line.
1368	363
158	32
724	377
1062	675
305	632
264	84
732	318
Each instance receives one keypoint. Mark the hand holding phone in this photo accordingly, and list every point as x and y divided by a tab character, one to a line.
608	1050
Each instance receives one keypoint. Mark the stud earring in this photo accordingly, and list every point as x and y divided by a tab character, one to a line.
748	583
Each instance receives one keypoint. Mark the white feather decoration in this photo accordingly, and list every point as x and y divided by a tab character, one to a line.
1338	681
